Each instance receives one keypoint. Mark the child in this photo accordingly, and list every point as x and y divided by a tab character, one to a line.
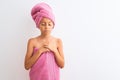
44	55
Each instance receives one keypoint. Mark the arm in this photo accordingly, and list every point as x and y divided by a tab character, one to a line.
29	59
59	56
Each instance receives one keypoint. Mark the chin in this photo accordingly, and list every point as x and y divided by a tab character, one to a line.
47	31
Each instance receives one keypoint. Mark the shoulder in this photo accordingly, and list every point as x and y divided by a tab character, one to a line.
32	40
58	41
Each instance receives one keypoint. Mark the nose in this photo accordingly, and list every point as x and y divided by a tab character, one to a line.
47	26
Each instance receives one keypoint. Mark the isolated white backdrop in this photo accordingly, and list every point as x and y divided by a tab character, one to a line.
89	30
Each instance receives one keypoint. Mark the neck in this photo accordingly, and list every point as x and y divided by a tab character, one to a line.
45	35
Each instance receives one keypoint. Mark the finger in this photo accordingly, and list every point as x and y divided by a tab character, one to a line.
47	49
45	46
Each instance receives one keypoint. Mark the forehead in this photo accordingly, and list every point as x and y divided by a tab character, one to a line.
45	20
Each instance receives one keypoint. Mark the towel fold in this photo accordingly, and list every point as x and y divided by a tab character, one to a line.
41	10
45	68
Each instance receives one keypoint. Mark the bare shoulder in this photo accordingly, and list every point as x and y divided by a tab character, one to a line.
58	40
32	41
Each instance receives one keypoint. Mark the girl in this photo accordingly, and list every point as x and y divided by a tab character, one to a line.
44	55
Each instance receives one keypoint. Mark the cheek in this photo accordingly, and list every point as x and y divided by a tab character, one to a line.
52	26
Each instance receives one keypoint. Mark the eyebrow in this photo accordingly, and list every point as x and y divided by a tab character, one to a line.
45	22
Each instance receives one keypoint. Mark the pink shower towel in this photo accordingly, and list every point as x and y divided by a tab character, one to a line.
41	10
45	68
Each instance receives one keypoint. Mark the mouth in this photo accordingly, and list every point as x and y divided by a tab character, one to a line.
48	29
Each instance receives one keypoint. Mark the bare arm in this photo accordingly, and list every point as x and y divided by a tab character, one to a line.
29	58
59	56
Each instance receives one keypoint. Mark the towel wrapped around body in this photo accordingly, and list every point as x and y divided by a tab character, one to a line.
45	67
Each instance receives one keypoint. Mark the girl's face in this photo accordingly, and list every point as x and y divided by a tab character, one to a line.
46	25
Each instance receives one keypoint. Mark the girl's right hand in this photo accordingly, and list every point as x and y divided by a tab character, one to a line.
42	49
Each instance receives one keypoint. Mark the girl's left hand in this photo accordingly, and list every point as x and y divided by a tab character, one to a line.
53	49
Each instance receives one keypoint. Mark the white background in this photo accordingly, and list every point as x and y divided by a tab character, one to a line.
89	29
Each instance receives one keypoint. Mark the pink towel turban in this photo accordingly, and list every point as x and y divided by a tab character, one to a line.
41	10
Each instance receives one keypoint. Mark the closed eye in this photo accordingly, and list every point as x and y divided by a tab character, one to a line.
43	24
50	24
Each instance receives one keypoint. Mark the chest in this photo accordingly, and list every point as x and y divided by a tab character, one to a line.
40	43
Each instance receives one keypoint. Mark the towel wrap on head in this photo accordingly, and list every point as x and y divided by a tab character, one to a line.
41	10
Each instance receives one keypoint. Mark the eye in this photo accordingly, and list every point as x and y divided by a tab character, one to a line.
43	24
50	24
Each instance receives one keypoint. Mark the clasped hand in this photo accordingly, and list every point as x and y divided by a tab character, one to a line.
50	48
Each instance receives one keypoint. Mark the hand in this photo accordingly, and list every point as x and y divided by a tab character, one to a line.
43	49
51	48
